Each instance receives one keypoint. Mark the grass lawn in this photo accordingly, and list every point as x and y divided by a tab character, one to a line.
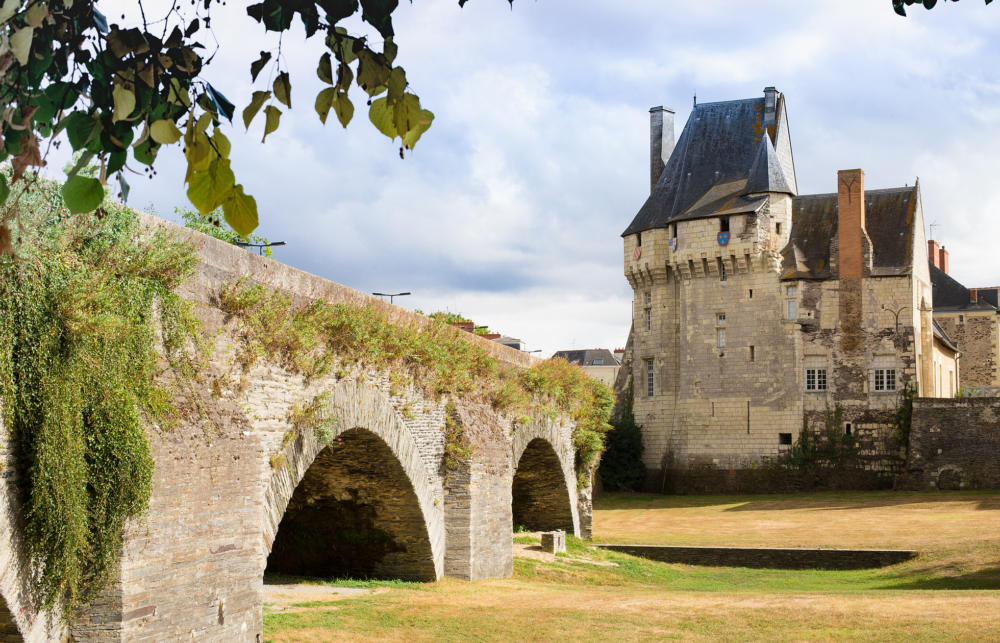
949	592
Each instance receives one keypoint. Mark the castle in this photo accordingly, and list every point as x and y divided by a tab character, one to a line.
756	308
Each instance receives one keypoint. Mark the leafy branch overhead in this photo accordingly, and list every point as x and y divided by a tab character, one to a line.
900	5
123	93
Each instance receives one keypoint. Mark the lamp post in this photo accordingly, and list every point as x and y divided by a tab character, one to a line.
895	313
260	246
391	295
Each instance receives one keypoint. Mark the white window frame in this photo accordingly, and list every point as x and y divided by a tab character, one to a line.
650	374
816	380
649	311
791	302
886	380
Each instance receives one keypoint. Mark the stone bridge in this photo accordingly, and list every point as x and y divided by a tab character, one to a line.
233	497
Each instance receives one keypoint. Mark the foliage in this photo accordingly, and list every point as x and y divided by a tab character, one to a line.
902	420
314	339
457	318
457	448
621	465
830	448
214	225
78	302
120	91
900	5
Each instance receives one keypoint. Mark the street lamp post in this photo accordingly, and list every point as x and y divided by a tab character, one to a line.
391	295
260	246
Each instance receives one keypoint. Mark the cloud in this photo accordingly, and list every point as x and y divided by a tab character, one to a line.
511	207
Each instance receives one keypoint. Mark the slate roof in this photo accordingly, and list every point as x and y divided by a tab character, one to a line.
889	221
943	336
725	156
586	357
951	296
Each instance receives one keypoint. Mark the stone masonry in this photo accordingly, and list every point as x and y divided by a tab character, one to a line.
233	496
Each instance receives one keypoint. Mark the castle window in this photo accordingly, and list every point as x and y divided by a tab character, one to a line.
815	379
723	224
673	230
791	304
847	429
885	379
720	330
722	271
753	353
597	362
785	439
751	294
649	311
961	319
649	378
720	319
638	239
777	228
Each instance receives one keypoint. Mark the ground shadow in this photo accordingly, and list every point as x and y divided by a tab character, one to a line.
988	578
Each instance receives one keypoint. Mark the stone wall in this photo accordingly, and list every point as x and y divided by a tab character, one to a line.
954	444
773	558
236	466
977	335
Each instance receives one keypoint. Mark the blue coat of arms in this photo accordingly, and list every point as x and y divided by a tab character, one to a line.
723	238
673	244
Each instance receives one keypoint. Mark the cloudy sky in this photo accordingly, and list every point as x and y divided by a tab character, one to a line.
510	208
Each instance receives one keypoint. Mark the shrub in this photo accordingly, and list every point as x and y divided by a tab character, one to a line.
621	466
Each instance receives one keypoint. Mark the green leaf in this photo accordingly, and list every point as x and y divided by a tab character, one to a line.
20	44
4	189
10	7
124	100
396	83
426	117
324	100
373	72
258	64
82	194
273	116
207	190
344	108
255	104
221	143
34	16
81	128
145	152
405	113
283	89
325	70
240	210
222	104
164	131
381	116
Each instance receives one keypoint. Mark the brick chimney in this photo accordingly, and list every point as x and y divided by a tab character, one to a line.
943	260
661	141
934	253
973	295
851	234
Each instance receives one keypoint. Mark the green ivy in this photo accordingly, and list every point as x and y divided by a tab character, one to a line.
80	300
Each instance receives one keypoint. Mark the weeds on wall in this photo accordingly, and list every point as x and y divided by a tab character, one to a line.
316	337
831	448
901	421
80	300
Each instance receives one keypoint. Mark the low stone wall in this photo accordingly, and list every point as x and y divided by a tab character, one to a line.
768	558
954	444
709	479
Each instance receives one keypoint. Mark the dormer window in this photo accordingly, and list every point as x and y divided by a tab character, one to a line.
724	224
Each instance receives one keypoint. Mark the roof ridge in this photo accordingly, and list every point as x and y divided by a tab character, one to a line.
867	191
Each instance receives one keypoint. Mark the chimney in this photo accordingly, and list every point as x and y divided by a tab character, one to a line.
934	253
943	260
770	106
661	141
851	223
973	295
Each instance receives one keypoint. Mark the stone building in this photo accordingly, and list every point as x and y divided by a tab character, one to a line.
970	317
756	307
599	363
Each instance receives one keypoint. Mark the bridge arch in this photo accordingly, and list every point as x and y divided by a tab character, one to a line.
543	492
364	505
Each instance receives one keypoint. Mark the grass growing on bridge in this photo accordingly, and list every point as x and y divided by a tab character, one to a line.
78	306
317	337
948	593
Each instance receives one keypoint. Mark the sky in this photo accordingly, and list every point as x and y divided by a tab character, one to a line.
511	207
